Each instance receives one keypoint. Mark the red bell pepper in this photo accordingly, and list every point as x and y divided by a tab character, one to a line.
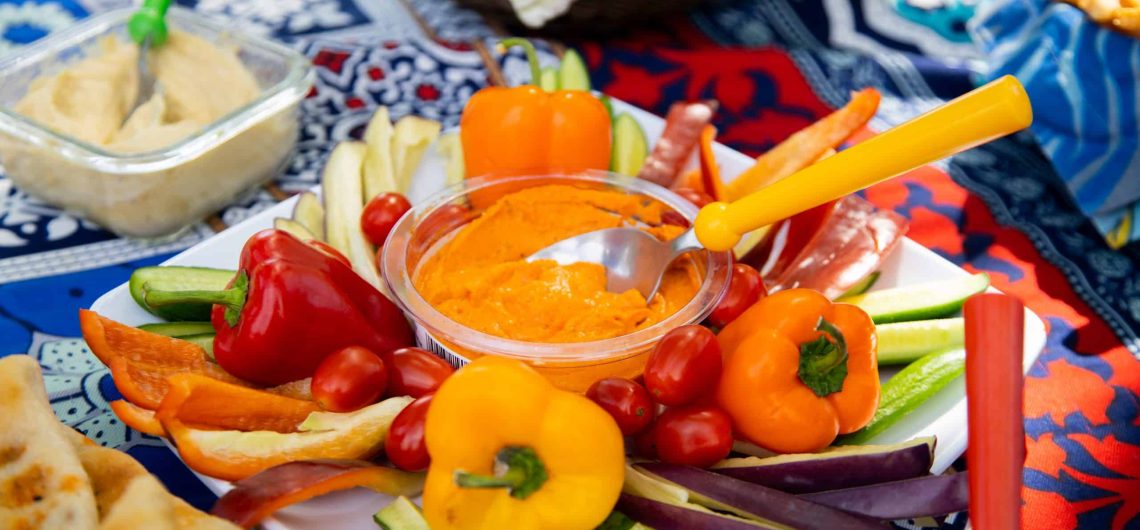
289	307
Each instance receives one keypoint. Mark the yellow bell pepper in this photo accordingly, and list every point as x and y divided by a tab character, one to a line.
509	450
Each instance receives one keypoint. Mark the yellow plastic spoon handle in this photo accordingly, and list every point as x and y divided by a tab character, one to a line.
988	112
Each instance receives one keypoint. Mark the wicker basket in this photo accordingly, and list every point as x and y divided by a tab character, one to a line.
586	17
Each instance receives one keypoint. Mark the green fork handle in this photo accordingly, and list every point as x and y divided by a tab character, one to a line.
149	22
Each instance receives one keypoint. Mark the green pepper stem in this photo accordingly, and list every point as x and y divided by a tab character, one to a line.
531	55
823	361
836	356
519	469
233	298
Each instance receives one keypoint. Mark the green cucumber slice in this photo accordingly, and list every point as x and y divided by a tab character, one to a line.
401	514
863	285
908	389
179	329
630	146
548	80
904	342
205	340
573	74
921	301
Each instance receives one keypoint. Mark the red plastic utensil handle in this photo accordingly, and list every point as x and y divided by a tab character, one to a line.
995	325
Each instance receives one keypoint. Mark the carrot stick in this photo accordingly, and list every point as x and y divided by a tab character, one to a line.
807	145
710	172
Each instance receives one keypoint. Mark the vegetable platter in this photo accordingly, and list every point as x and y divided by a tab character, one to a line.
942	415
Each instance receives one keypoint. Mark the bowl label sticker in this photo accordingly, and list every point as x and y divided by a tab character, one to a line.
426	341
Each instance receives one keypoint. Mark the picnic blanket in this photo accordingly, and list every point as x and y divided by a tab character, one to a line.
775	66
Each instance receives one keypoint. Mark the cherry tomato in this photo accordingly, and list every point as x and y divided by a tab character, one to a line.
349	379
744	289
626	401
330	250
693	436
645	443
416	372
405	445
381	214
698	198
436	225
684	366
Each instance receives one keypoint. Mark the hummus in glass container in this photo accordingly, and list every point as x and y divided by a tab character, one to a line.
200	83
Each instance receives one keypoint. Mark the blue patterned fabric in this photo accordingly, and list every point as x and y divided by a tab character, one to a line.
1084	81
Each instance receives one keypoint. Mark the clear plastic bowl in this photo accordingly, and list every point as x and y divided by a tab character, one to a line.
156	193
570	365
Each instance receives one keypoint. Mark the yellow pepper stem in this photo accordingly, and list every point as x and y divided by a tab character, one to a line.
531	55
823	361
519	469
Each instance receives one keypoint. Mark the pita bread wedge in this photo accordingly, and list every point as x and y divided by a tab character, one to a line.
113	472
143	504
42	483
146	504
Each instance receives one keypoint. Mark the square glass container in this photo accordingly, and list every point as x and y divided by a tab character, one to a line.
155	193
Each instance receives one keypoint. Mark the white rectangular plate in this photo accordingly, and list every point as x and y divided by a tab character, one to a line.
942	416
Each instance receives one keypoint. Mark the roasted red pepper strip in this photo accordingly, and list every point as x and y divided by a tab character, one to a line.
289	307
255	498
683	127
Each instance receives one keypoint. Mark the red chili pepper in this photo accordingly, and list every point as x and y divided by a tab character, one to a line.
289	307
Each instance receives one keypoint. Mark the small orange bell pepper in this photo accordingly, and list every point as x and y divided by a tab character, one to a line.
799	370
524	129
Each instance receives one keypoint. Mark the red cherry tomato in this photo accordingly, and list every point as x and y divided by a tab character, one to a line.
626	401
744	289
416	372
684	366
349	379
381	214
698	198
645	443
436	225
330	250
405	445
693	436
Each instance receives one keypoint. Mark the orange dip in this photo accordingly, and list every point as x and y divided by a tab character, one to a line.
479	277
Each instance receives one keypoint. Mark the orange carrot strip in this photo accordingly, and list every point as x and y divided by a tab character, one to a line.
807	145
710	171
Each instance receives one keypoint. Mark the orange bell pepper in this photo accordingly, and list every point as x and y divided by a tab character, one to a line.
201	401
507	131
140	361
799	370
137	418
